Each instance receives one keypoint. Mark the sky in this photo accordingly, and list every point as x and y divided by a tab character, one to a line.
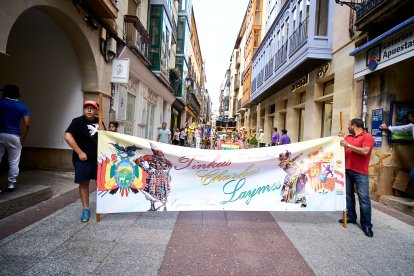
218	24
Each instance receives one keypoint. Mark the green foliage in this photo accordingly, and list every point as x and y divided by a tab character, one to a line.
253	141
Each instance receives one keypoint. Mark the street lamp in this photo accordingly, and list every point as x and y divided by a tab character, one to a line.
188	82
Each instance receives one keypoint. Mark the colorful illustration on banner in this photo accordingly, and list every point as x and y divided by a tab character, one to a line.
159	180
129	171
293	190
119	172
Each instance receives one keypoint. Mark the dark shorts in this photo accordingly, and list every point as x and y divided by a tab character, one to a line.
85	170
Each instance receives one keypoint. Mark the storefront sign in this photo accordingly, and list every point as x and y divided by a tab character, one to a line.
397	48
376	132
323	70
300	83
139	175
120	70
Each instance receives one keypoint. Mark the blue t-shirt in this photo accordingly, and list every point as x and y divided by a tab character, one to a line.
11	112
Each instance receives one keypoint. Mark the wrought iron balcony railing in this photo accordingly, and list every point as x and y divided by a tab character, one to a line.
136	36
281	55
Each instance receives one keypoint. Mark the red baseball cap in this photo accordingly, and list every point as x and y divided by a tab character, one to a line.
91	103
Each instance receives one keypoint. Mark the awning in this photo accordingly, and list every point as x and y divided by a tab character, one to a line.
385	35
393	46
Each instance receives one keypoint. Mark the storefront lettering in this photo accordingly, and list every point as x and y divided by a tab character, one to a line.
396	45
300	83
323	70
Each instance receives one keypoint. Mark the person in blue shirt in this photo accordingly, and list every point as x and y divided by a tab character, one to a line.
12	111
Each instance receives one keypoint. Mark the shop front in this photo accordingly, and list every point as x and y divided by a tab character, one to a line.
384	66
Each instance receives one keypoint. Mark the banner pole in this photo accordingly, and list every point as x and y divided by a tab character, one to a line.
345	217
98	216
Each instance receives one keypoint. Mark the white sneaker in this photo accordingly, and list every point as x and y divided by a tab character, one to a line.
10	187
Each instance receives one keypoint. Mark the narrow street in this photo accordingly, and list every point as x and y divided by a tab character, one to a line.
49	239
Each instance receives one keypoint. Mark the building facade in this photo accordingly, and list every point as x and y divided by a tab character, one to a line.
87	37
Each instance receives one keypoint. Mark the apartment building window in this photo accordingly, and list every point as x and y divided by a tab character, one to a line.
182	5
301	124
327	119
321	22
155	33
302	97
149	131
180	35
328	87
130	115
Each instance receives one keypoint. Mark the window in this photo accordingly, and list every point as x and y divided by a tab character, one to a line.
149	131
180	34
303	97
327	119
257	18
285	104
130	112
321	22
155	33
328	87
301	124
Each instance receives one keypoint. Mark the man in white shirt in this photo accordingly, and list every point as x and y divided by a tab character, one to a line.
164	135
404	128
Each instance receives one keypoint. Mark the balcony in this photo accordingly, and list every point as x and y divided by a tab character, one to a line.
378	16
137	38
104	8
308	46
237	61
239	105
193	102
236	82
298	38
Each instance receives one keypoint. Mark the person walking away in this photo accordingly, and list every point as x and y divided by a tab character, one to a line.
261	139
275	137
113	126
12	112
176	137
358	147
197	135
182	137
164	134
284	139
82	137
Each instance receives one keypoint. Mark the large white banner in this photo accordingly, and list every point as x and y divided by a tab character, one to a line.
136	175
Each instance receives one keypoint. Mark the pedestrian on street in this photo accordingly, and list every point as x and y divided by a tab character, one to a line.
197	136
82	137
113	126
275	137
176	137
261	139
284	139
12	111
358	147
164	134
182	137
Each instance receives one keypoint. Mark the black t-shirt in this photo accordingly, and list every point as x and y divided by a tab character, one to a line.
85	134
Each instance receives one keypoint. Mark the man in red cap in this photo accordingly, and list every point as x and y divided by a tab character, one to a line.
82	137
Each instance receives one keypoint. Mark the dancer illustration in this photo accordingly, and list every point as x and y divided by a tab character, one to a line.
158	182
293	190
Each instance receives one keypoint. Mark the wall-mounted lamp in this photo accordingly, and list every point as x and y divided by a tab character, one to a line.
188	81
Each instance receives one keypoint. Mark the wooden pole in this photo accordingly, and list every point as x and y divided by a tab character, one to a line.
345	217
98	216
